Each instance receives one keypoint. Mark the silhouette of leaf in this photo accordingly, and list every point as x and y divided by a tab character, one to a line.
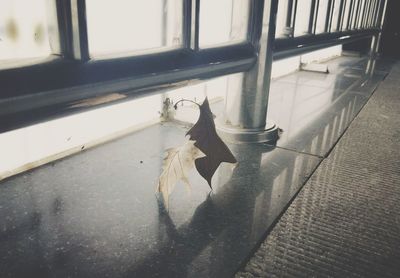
176	165
207	140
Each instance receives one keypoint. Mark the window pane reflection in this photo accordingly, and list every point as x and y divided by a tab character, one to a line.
133	26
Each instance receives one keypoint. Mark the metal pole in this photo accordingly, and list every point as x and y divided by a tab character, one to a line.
246	104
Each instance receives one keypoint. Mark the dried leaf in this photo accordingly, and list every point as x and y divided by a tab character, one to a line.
208	141
176	166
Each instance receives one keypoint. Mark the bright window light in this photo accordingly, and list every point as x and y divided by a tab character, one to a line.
223	22
126	27
321	16
335	16
281	19
302	17
23	30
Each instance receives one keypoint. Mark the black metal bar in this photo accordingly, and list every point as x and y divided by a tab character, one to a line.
61	74
65	28
83	38
289	14
311	17
357	14
285	48
187	23
195	27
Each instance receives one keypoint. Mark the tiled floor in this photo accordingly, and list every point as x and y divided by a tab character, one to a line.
345	222
95	214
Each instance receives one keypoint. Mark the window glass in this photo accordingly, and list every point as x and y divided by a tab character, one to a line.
302	17
321	16
23	30
129	27
335	16
346	15
281	18
223	22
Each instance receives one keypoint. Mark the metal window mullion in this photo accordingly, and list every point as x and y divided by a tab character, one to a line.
353	15
328	16
365	14
60	36
349	16
342	9
289	14
187	23
294	15
376	12
192	24
382	18
312	17
332	15
80	47
368	13
357	14
360	14
380	13
191	19
316	17
366	3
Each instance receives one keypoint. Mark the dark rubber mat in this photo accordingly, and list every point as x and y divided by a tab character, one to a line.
345	222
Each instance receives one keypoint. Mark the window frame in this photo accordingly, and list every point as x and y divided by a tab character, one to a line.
38	92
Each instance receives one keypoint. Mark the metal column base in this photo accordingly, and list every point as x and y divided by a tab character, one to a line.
239	135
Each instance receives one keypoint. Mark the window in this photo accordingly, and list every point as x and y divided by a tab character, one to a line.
335	16
23	30
321	16
131	27
302	17
281	20
223	22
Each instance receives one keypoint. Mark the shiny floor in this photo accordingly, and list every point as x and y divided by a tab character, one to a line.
95	214
345	222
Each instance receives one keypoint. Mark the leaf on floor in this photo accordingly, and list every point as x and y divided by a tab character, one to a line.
208	141
176	166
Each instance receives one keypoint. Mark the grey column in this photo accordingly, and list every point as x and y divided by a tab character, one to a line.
246	104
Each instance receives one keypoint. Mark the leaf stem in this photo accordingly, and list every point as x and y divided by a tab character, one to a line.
188	100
